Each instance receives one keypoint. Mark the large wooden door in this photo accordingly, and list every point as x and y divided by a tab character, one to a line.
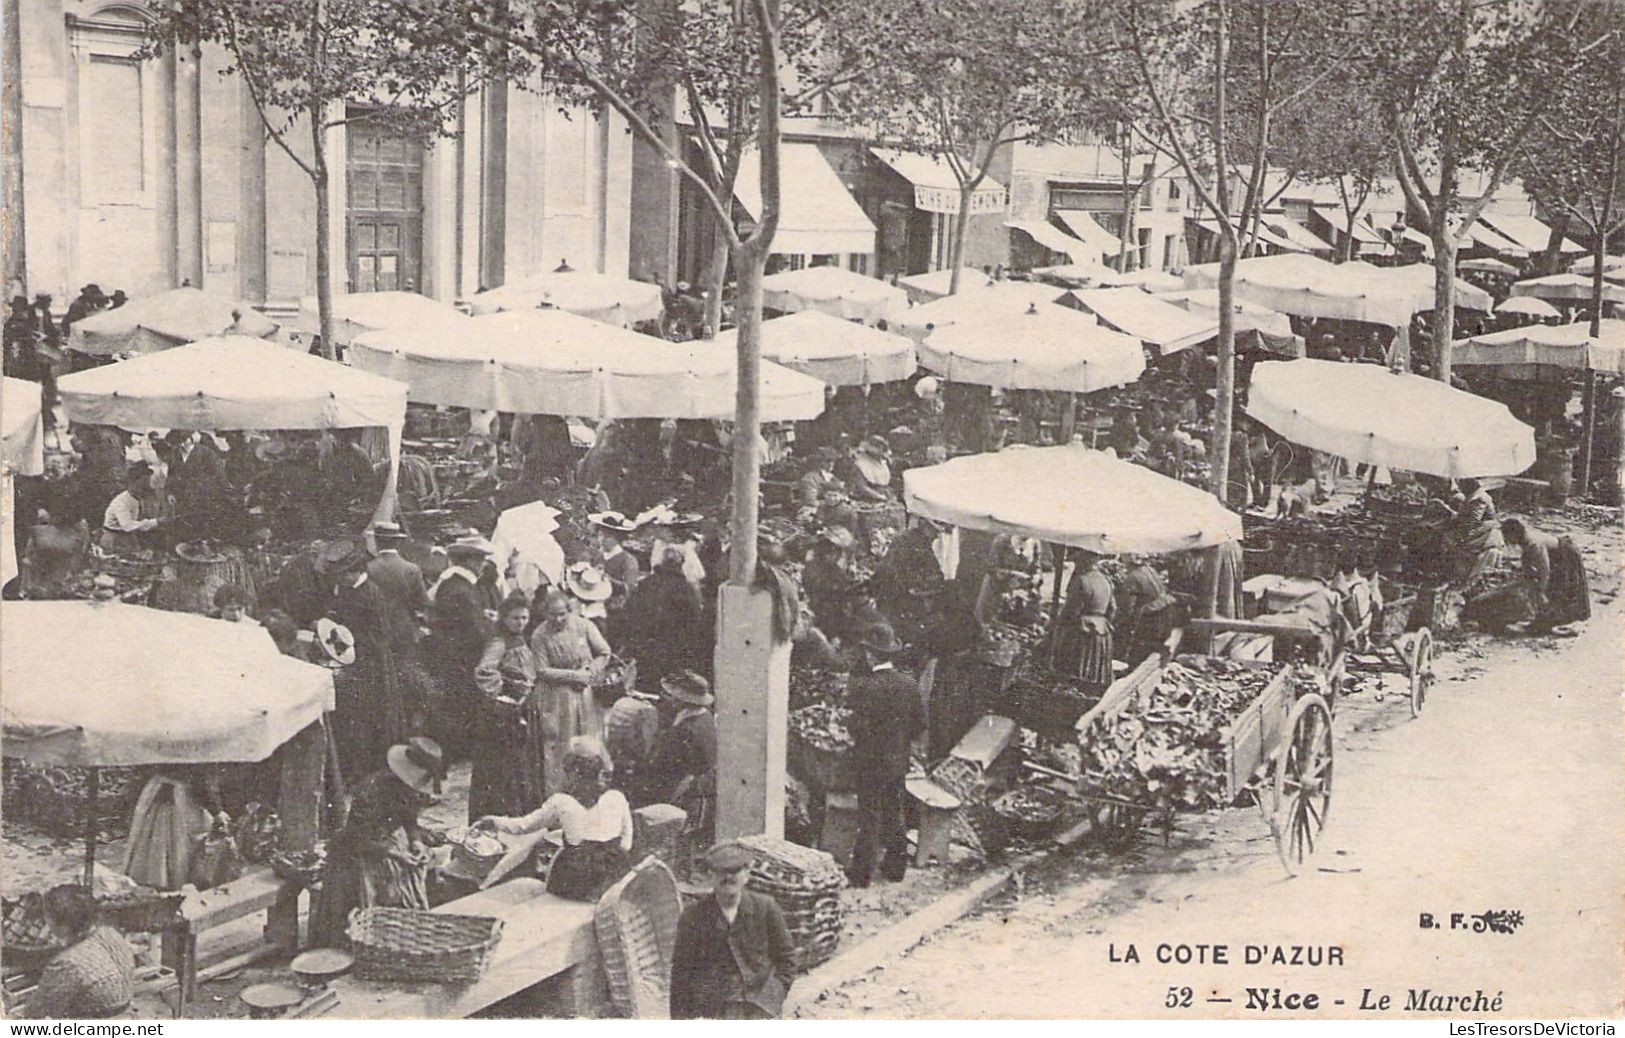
384	215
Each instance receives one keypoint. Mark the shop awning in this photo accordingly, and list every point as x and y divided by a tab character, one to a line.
109	684
1530	233
1266	234
817	215
936	188
1364	233
1283	226
1560	346
1055	239
1488	237
1070	495
1373	416
1080	223
1147	318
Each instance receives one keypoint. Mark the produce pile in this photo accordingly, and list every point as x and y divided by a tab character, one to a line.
816	685
1163	748
822	726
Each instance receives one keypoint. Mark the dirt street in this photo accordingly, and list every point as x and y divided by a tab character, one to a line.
1506	794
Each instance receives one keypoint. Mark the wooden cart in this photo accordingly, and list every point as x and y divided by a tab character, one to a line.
1279	747
1397	640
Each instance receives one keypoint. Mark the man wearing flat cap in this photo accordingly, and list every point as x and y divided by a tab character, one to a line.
733	958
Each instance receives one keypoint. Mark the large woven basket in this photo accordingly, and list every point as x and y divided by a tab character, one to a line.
807	885
636	925
408	944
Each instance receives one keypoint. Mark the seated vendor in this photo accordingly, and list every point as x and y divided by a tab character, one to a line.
126	524
1475	535
818	480
867	471
596	821
94	976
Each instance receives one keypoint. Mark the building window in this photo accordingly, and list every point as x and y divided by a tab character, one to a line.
111	106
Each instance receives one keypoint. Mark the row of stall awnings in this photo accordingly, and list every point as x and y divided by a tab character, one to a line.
1280	231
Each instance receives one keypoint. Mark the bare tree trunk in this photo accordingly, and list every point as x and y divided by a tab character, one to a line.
750	267
1225	389
1126	227
324	244
716	277
961	221
1444	297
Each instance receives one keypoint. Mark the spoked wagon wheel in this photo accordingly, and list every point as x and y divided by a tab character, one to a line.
1303	781
1420	665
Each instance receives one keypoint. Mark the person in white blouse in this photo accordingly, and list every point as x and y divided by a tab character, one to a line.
124	520
596	823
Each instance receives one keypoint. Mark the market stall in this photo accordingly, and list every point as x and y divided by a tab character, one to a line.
1042	347
1567	288
1272	330
236	382
557	363
1566	346
23	455
1155	322
835	291
166	320
601	297
834	351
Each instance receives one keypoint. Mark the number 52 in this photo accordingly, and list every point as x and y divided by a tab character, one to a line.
1178	998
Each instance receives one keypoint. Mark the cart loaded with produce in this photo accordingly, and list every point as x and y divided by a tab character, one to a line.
1193	733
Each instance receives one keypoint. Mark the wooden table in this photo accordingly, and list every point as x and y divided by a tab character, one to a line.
543	938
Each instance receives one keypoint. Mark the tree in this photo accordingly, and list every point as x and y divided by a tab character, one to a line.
305	62
1463	84
1574	163
962	79
1338	137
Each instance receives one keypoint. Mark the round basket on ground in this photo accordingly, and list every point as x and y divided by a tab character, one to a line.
1030	813
406	944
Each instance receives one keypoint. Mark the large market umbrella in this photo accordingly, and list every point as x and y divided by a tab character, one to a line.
975	302
555	362
23	455
1044	347
103	684
1078	273
601	297
1155	322
1300	284
1570	346
834	290
841	353
165	320
1374	416
1274	330
1070	495
235	382
1144	278
1489	265
922	288
356	313
1527	306
1567	288
1613	267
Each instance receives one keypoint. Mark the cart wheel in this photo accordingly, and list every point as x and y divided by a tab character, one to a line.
1118	823
1420	665
1303	781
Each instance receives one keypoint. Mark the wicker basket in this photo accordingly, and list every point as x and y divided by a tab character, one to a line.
407	944
807	885
636	925
141	912
1028	828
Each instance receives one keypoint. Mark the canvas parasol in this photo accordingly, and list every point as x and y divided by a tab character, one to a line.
601	297
1370	415
1070	495
1570	346
1043	347
841	353
167	319
1489	265
1567	288
357	313
836	291
103	684
1527	306
1012	297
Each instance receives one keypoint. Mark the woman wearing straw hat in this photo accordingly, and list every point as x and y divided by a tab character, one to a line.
685	754
379	859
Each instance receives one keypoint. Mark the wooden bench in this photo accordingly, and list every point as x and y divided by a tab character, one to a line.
259	890
544	938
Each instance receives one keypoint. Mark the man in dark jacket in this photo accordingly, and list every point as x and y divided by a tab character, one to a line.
886	716
401	590
733	958
460	624
665	622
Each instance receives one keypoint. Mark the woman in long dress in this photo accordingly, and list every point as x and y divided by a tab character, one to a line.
1084	636
508	775
174	809
1554	571
567	647
379	859
596	820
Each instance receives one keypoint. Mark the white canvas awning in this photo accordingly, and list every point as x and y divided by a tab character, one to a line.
107	684
1613	267
1055	240
356	313
1296	283
1070	495
936	188
1043	347
975	302
1147	318
1567	288
1529	232
837	352
817	215
167	319
1373	416
1488	237
554	362
1080	223
1561	346
602	297
1364	233
934	284
836	291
